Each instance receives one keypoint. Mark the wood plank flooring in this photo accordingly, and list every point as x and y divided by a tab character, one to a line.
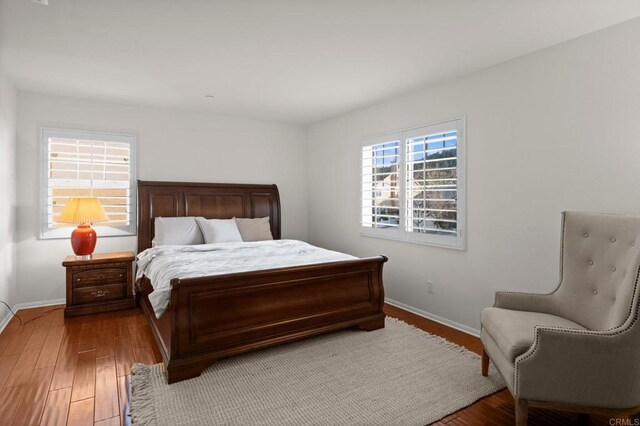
57	371
73	371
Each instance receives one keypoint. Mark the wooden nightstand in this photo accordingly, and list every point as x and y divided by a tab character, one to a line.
100	284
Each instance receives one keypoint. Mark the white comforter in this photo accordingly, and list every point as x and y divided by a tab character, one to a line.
162	264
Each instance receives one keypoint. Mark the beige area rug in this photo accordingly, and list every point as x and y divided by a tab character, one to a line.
398	375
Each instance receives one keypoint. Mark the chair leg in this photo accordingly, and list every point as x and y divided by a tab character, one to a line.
522	411
485	363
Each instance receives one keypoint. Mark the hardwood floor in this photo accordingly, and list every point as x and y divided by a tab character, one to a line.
56	370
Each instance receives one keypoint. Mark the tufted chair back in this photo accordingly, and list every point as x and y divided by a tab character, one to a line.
599	269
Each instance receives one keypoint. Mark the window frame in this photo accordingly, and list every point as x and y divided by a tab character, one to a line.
103	231
401	234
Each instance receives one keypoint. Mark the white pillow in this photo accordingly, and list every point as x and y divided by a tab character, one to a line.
254	229
176	231
219	230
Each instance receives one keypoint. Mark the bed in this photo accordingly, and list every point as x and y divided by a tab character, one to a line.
208	318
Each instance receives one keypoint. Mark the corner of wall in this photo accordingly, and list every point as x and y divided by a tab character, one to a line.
8	190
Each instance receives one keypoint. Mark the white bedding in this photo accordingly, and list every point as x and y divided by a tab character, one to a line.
162	264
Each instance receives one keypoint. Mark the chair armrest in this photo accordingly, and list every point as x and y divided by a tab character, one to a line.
531	302
581	367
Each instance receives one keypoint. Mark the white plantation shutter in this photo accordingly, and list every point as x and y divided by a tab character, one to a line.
428	185
86	164
381	185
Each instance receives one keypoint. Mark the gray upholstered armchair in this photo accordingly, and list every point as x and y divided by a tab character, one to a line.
577	348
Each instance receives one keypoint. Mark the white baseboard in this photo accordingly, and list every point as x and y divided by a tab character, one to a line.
420	312
432	317
28	305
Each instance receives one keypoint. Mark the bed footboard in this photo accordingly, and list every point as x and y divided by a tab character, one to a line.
219	316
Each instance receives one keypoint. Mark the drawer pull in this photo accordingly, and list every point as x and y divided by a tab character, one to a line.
78	279
100	293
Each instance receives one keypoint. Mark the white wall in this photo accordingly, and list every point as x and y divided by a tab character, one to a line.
557	129
172	145
7	194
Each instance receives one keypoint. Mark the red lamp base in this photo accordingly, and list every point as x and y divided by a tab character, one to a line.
83	240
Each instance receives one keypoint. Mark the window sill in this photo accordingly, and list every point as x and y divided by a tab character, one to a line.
392	237
102	232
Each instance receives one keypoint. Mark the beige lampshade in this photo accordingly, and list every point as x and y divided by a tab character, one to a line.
83	210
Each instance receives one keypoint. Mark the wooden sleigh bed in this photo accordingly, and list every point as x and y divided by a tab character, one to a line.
209	318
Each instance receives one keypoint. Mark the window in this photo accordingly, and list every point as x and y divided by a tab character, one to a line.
381	186
412	186
88	164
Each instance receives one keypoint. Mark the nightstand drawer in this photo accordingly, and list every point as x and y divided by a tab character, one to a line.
99	277
99	294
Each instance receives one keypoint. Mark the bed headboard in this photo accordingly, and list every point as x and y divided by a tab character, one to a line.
211	200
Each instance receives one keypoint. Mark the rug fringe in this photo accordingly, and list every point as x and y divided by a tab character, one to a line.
440	339
142	397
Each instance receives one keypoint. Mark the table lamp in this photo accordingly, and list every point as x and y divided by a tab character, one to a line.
83	212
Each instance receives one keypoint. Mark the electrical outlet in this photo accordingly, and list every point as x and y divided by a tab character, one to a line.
429	286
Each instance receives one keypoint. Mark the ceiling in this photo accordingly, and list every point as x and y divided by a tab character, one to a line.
293	61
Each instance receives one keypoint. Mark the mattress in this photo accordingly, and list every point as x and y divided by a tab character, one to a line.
164	263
